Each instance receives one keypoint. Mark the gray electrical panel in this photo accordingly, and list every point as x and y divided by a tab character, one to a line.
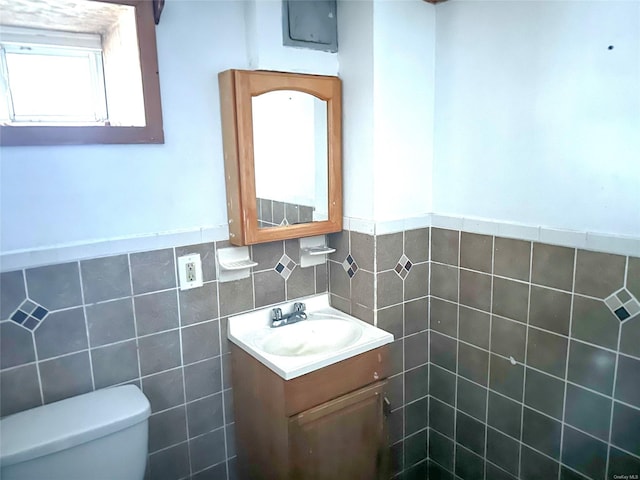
310	24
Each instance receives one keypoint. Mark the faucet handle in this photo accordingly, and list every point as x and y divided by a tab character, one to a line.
299	307
276	314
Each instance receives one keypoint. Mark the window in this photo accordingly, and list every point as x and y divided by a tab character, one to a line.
51	77
77	72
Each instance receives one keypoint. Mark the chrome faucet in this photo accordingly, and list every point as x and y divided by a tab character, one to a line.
278	320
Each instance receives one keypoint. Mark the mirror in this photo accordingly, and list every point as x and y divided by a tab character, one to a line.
282	142
290	149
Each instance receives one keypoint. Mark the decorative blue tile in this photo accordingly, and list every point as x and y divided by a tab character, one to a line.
285	266
622	313
31	323
19	316
349	259
40	313
350	266
403	266
28	306
351	273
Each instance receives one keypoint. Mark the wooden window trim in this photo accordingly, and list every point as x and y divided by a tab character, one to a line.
152	132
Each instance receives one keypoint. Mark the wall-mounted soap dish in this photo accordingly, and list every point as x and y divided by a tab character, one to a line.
314	251
233	263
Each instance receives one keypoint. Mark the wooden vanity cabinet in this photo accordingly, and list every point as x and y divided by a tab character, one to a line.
326	425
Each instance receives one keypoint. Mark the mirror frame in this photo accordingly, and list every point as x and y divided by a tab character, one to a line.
152	132
237	87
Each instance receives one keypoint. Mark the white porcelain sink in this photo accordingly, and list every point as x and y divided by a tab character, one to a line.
318	334
327	336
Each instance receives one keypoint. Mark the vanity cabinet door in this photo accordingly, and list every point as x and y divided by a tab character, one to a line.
343	438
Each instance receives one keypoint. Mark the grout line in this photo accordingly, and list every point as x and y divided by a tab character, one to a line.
86	329
455	388
613	403
486	413
35	346
566	365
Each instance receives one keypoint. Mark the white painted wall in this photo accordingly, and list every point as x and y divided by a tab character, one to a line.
403	100
79	194
536	121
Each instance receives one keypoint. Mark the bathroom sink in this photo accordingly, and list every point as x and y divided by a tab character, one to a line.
327	336
319	333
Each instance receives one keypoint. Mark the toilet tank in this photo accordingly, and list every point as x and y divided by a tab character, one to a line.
98	435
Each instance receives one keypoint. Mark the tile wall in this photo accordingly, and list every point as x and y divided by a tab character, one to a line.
532	374
385	279
534	366
71	328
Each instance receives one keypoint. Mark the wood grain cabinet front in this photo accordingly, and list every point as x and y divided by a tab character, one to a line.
326	425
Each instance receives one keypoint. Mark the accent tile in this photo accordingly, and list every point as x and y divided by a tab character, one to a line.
16	345
593	322
62	332
550	310
157	312
552	266
152	271
105	278
284	267
512	258
65	377
581	405
115	364
591	367
55	286
11	292
599	274
19	389
474	327
584	453
110	322
476	252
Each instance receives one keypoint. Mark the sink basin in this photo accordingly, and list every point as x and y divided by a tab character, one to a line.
327	336
310	337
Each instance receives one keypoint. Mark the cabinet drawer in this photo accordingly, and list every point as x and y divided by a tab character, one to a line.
312	389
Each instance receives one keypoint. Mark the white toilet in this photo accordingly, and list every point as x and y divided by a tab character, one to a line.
102	435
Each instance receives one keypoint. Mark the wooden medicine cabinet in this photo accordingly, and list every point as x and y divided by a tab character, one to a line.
282	138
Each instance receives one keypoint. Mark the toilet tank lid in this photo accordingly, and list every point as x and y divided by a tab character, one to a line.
70	422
